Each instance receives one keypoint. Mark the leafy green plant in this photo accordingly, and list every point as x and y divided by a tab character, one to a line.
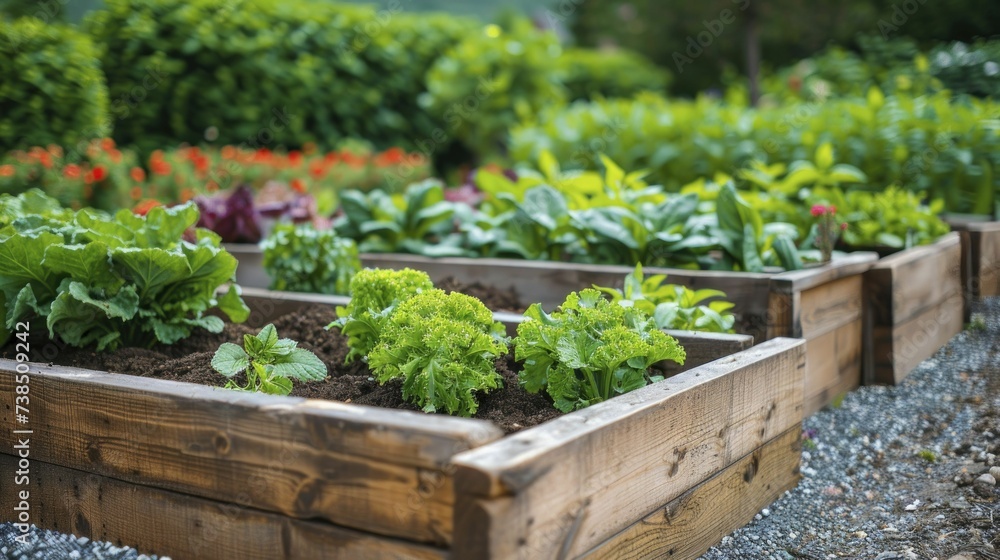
892	218
443	347
592	73
302	258
748	243
113	281
673	306
590	350
270	363
53	91
418	221
485	83
928	144
375	293
203	62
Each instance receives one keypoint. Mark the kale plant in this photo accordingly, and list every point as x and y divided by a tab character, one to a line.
301	258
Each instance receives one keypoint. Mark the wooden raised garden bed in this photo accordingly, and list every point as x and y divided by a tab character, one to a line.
980	257
914	306
193	471
822	305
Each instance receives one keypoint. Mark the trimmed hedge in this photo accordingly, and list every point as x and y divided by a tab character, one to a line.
266	73
592	73
950	149
51	87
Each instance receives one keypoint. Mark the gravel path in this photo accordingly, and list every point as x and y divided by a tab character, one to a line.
892	472
889	474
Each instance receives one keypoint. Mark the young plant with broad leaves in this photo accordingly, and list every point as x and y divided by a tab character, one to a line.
673	306
125	280
375	293
443	347
269	363
590	350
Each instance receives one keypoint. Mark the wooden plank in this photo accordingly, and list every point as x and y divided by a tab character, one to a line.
355	466
561	488
984	259
168	523
897	349
694	522
800	280
833	365
829	306
907	283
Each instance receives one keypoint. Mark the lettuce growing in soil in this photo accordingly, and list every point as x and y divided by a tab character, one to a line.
112	281
590	350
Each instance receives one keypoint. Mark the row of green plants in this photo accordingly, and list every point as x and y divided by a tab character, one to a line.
895	65
763	218
933	145
268	73
128	280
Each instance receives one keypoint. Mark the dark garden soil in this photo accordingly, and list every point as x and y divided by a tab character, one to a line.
511	408
494	298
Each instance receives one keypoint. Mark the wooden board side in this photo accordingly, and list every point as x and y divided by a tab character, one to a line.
898	349
357	467
698	519
182	526
573	482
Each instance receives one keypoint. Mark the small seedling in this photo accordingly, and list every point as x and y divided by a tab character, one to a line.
978	322
927	455
270	363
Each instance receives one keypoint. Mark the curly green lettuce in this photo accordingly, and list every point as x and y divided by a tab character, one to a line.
375	293
443	346
590	350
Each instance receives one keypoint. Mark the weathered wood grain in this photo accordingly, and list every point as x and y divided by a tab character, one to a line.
383	471
694	522
897	349
983	274
561	488
834	365
185	527
914	305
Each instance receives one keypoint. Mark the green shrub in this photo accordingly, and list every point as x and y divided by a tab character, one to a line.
972	69
589	73
484	84
52	91
268	73
928	144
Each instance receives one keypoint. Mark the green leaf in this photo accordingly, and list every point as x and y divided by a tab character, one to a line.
150	270
275	384
824	156
300	364
230	359
90	261
233	305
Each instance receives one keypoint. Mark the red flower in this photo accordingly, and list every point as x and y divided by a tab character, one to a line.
135	193
6	170
843	226
99	173
298	186
294	157
818	210
144	207
108	144
71	171
137	174
159	167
